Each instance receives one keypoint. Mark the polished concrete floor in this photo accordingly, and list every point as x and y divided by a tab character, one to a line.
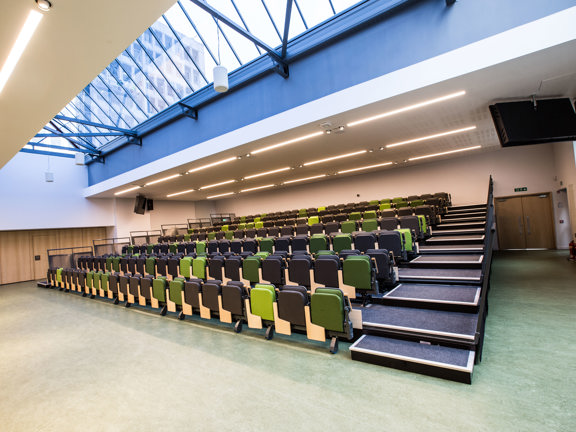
68	363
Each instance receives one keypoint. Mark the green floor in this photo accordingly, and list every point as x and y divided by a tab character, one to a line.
68	363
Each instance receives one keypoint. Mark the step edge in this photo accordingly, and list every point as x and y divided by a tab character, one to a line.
417	330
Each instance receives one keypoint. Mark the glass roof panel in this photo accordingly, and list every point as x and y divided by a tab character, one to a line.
175	57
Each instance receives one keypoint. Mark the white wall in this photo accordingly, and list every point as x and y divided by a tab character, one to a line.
29	202
171	212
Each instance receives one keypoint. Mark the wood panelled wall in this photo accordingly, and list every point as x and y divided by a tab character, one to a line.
18	248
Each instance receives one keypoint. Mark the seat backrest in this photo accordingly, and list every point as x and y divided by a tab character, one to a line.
232	267
262	298
233	298
273	231
299	243
406	234
236	246
201	247
250	269
273	269
326	270
369	225
355	216
341	241
175	289
302	229
291	304
282	244
391	240
158	288
405	211
348	227
199	267
357	272
364	241
299	269
215	267
267	245
410	222
341	217
318	242
388	223
383	263
327	309
191	290
287	231
224	246
317	229
249	245
371	214
331	227
211	290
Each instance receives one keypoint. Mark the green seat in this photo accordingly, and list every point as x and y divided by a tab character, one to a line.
250	225
150	266
385	201
357	272
326	252
104	281
89	278
173	248
385	206
191	230
402	204
229	235
201	247
423	223
241	226
302	213
109	264
370	214
313	220
398	200
59	275
262	298
199	267
224	228
258	225
416	203
243	220
327	309
406	235
341	242
355	216
159	289
116	264
318	242
262	254
211	236
257	219
150	247
374	202
186	267
267	245
250	268
369	225
175	290
96	280
348	227
186	238
321	209
130	249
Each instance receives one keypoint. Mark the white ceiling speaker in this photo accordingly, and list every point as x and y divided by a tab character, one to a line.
220	79
79	158
49	176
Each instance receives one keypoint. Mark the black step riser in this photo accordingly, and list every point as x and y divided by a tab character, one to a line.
423	304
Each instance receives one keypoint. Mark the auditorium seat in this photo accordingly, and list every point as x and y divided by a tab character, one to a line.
392	241
262	299
341	241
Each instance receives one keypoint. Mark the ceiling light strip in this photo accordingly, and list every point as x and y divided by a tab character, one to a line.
259	187
335	157
220	195
365	167
266	173
223	161
162	179
304	179
180	193
429	137
217	184
408	108
26	33
127	190
445	153
292	141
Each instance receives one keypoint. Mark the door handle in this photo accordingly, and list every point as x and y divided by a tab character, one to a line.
528	225
520	225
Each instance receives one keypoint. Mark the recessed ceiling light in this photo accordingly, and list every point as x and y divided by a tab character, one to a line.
292	141
335	157
266	173
407	108
445	153
162	179
256	188
217	184
180	193
365	167
127	190
44	5
429	137
26	33
304	179
220	195
223	161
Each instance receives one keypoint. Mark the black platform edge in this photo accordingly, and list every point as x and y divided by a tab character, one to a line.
414	335
44	284
465	207
460	376
426	304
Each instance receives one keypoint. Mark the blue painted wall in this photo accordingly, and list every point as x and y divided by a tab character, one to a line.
416	33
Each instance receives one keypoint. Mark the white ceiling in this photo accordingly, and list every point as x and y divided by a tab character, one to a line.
546	73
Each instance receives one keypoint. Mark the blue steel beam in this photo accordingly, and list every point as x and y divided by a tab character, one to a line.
125	90
301	14
135	84
271	19
207	8
85	92
244	22
50	146
60	124
120	117
286	27
228	42
158	68
145	75
79	134
78	143
113	93
47	153
197	32
98	125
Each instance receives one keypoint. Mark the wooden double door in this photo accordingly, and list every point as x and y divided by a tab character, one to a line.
525	222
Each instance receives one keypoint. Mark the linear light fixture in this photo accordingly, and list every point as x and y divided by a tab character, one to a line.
217	184
259	187
438	135
304	179
266	173
220	195
127	190
407	108
162	179
223	161
335	157
26	33
292	141
180	193
365	167
445	153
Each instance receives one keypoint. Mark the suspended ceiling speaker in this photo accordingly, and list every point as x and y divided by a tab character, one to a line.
220	79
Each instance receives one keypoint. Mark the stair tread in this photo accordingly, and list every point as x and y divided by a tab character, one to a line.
435	293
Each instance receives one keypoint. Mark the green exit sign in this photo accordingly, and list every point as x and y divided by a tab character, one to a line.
522	189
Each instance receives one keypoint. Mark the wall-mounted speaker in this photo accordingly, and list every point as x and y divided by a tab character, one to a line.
140	204
149	204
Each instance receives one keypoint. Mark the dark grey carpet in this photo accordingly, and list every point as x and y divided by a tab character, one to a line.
436	353
405	272
456	238
458	293
432	320
474	258
478	247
